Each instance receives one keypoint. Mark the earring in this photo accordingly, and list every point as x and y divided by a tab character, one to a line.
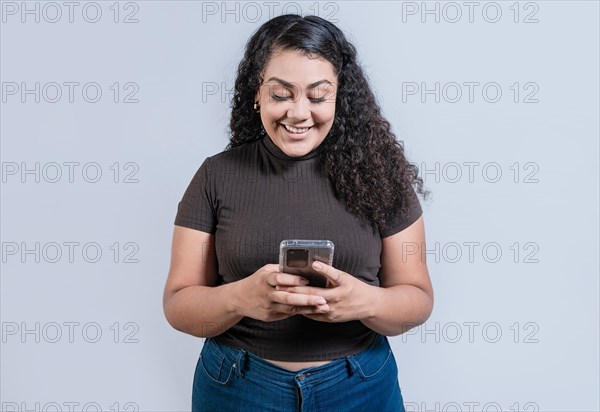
256	107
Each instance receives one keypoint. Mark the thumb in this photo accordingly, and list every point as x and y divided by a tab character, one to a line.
335	276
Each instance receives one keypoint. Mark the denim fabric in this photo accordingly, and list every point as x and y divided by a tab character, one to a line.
229	379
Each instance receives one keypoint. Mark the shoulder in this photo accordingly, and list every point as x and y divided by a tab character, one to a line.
237	151
407	213
231	161
234	155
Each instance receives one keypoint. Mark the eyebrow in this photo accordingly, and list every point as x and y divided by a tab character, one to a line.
291	86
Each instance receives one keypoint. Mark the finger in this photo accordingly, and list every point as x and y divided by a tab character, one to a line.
311	310
286	279
271	267
334	275
305	290
318	316
295	299
301	310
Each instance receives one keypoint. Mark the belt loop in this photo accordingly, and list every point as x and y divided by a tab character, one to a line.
351	364
240	362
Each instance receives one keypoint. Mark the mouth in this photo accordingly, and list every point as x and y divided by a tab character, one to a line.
296	130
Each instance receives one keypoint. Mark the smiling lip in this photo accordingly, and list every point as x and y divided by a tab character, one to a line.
296	128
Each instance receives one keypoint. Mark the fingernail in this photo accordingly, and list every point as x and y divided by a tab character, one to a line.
320	301
317	265
304	281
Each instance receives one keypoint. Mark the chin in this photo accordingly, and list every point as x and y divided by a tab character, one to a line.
298	149
296	153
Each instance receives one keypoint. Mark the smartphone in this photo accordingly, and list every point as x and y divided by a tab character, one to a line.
296	257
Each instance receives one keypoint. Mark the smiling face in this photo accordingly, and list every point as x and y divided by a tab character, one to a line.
297	101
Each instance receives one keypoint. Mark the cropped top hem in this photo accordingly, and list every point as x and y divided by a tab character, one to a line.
305	357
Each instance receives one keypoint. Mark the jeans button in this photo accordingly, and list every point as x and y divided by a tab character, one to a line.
302	377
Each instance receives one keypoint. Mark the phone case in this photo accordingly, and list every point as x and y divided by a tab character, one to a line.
296	257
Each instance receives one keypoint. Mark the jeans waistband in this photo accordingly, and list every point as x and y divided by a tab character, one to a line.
245	360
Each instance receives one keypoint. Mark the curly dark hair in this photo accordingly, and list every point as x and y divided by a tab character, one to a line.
360	154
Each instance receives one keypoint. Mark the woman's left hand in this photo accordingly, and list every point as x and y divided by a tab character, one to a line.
347	298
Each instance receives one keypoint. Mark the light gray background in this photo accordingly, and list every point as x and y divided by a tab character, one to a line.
513	332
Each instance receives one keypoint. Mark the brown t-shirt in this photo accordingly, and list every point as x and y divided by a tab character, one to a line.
254	196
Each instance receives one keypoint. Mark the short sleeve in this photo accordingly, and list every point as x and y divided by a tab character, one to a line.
400	221
197	210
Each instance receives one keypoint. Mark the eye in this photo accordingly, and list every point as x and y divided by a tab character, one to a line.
324	95
279	98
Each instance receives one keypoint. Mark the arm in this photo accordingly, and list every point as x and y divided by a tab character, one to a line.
404	299
194	305
191	301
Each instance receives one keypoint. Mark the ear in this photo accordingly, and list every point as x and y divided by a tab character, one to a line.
257	97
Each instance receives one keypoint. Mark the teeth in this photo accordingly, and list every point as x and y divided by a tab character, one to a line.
294	130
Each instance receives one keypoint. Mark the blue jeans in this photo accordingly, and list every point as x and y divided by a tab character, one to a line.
230	379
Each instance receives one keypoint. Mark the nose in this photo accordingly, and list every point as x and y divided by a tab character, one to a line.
299	109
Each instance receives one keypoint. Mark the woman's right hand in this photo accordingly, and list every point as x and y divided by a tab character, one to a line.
256	296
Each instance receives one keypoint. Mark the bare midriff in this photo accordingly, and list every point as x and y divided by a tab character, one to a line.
294	366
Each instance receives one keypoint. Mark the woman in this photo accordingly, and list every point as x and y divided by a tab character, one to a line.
310	157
